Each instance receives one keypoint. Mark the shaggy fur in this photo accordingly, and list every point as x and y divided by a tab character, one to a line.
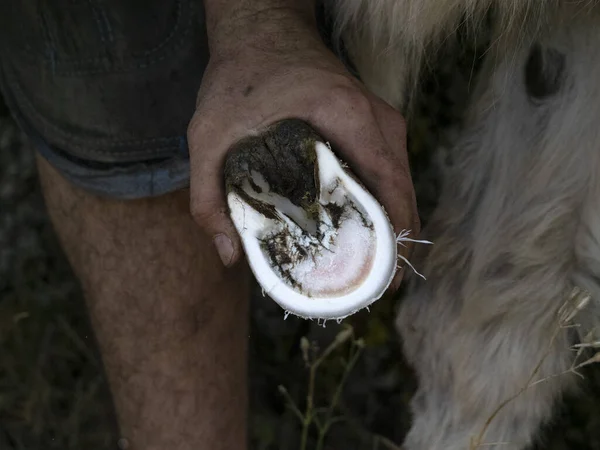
518	223
388	39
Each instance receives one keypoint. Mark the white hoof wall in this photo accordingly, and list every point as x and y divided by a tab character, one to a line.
317	241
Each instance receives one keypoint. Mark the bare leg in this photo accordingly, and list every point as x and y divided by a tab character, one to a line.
170	320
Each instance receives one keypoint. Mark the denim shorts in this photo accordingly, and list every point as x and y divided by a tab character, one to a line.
106	88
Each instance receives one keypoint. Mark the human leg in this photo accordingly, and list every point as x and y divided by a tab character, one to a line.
170	320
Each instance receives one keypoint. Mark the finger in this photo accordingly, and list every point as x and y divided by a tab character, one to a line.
397	281
392	128
209	139
371	139
397	184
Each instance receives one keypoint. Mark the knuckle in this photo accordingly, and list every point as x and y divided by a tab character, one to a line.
194	127
204	213
344	96
350	98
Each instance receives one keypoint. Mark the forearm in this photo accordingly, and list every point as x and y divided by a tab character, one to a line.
224	18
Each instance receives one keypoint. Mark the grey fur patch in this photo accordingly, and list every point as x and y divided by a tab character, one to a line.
544	72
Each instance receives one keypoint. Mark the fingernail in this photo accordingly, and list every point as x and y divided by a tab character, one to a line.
224	248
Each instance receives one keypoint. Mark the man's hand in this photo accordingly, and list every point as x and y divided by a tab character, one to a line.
272	65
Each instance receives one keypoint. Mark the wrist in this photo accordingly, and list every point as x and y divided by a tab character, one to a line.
230	22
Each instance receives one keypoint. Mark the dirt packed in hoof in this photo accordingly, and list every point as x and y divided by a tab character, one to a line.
284	155
309	231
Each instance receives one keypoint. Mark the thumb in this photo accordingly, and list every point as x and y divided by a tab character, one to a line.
212	215
207	188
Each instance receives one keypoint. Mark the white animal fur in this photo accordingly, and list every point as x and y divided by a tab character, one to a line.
388	39
518	223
